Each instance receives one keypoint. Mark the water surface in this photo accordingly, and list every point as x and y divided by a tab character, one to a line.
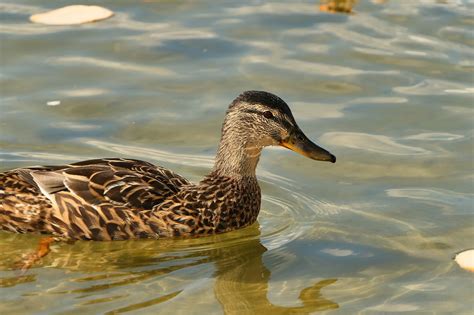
388	89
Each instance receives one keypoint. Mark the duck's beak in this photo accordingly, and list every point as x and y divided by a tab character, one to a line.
298	142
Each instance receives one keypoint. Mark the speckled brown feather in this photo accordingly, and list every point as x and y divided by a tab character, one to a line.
115	199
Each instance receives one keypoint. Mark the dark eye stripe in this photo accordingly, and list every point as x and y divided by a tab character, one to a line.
252	111
276	119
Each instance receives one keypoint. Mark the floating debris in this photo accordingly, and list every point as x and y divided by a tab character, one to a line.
53	103
337	6
465	259
72	15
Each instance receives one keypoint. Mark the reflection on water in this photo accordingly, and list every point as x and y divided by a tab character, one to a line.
249	294
386	85
240	276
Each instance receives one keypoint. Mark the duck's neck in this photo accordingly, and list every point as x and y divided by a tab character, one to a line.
237	156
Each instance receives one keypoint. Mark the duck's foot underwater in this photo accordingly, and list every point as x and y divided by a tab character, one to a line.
30	259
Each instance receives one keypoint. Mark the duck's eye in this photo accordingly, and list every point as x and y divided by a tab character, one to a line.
268	114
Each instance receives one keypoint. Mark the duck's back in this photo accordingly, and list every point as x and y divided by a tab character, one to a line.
96	199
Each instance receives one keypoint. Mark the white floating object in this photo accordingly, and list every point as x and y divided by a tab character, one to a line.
72	15
465	259
53	103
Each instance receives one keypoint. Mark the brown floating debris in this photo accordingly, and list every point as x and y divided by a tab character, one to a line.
337	6
72	15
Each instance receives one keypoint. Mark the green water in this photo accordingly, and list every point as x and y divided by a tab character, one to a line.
387	89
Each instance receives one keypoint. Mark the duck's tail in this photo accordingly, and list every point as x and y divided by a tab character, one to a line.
22	205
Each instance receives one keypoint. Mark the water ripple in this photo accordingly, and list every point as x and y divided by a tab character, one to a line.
314	67
434	87
437	197
435	136
169	157
97	62
272	8
374	143
85	92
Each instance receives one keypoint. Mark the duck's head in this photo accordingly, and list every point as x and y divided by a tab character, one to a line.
256	119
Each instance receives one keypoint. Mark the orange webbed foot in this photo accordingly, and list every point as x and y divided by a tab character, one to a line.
30	259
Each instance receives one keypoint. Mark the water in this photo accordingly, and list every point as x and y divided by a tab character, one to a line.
387	89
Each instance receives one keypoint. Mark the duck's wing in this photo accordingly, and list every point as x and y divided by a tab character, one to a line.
134	184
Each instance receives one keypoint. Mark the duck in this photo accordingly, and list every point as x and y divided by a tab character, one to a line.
112	199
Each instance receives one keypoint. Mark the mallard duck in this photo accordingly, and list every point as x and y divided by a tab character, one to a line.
117	198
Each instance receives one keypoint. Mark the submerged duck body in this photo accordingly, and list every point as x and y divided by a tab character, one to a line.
117	199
